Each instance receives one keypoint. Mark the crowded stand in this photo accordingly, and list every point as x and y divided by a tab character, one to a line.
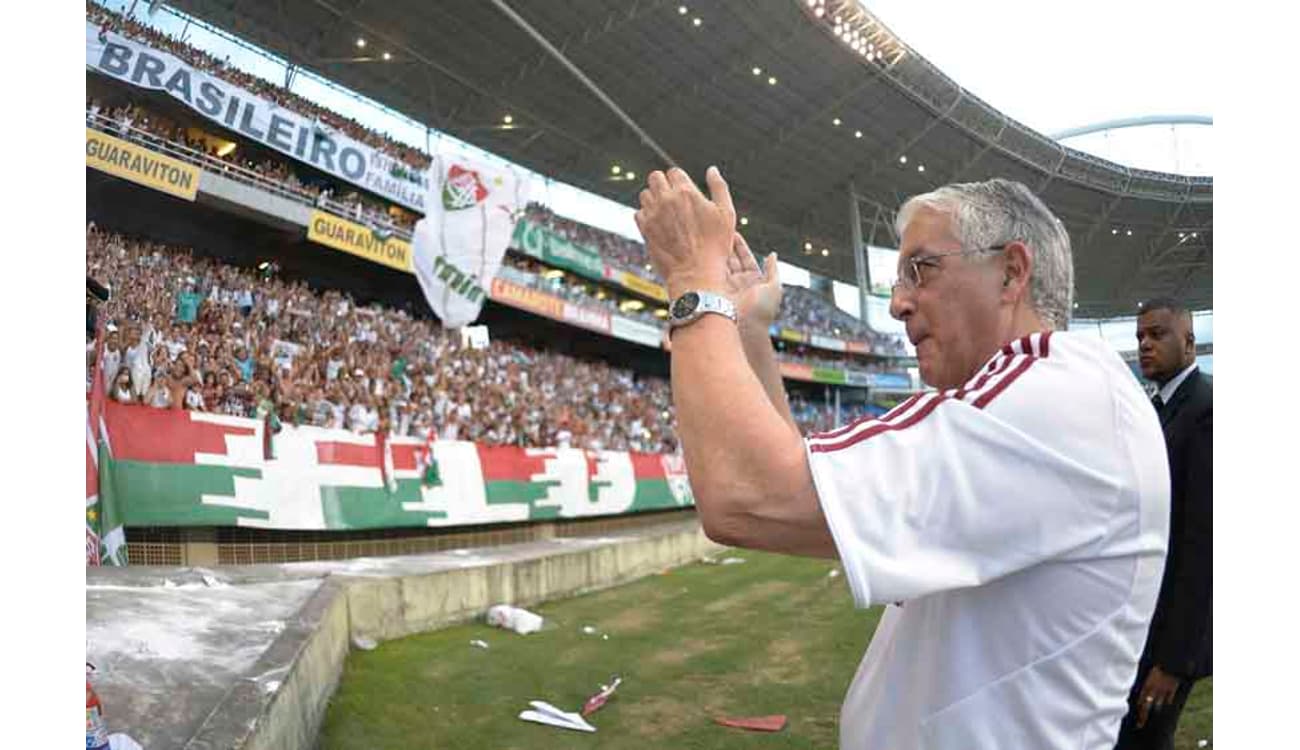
817	416
802	310
185	332
109	20
141	124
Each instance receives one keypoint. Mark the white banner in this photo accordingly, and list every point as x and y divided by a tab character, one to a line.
458	246
636	331
826	342
258	119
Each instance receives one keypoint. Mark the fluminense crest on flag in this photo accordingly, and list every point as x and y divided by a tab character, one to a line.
462	189
457	248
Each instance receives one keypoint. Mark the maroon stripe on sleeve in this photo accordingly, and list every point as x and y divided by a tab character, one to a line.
980	402
879	428
1001	385
892	413
979	382
1047	336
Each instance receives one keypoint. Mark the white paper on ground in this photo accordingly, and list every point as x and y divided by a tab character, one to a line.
121	741
552	716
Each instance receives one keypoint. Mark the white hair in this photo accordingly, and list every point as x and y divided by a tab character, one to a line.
998	211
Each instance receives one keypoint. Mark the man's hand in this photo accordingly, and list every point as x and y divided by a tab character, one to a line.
688	236
1157	692
756	292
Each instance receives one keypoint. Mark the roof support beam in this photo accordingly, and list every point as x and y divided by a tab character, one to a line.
584	80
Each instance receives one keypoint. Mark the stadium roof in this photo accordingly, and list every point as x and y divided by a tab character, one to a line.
462	65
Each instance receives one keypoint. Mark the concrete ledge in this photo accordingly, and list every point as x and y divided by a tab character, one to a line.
392	606
279	701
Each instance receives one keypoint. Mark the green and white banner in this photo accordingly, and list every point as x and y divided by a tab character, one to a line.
183	468
553	248
253	117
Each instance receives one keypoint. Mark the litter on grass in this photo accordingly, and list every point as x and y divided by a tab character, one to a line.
594	703
773	723
519	620
364	643
545	713
732	560
589	630
476	643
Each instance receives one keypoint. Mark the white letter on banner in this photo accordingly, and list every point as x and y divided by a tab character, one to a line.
113	58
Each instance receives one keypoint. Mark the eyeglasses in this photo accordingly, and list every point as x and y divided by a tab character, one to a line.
909	276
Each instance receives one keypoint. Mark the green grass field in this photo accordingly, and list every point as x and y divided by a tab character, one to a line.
774	635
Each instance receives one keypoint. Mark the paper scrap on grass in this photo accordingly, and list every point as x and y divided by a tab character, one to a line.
547	714
597	700
773	723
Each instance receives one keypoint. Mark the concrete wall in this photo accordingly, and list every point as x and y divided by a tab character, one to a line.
395	606
281	702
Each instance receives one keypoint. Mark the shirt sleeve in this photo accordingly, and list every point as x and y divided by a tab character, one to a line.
953	490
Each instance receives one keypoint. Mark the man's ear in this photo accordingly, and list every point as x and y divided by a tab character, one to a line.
1017	265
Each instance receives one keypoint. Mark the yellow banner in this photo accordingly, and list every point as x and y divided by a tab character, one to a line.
141	165
350	237
642	286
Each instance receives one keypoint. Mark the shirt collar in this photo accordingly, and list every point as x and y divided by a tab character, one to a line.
1168	389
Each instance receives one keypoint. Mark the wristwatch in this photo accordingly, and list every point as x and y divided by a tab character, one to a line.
694	305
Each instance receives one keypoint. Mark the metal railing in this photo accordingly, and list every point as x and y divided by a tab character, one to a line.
216	165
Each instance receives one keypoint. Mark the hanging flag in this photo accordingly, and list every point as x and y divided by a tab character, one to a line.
459	244
94	424
426	464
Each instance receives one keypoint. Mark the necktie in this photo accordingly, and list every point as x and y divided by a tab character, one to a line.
1158	402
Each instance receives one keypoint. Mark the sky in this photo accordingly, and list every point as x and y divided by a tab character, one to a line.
1056	65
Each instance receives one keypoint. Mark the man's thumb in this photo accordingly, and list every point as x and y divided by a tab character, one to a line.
771	274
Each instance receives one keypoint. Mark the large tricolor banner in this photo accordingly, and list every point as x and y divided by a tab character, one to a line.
261	120
458	246
183	468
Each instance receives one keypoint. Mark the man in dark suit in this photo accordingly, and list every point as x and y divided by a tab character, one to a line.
1179	644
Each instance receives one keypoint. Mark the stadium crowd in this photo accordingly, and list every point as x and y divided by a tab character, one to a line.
190	333
803	309
109	20
134	122
185	332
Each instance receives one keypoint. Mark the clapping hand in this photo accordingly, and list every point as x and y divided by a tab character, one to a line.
688	236
756	292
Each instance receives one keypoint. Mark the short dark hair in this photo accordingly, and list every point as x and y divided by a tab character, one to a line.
1164	303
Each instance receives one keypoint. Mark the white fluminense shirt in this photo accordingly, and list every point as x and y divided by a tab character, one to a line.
1021	521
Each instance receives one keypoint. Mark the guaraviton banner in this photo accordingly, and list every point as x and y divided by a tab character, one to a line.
253	117
141	165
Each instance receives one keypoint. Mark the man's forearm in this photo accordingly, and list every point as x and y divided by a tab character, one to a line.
728	426
762	360
746	464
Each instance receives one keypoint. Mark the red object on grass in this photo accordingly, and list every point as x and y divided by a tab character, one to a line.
773	723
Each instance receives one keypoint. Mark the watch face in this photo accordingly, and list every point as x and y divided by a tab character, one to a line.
685	305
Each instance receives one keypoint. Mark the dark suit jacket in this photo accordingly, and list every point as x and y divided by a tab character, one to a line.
1181	637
